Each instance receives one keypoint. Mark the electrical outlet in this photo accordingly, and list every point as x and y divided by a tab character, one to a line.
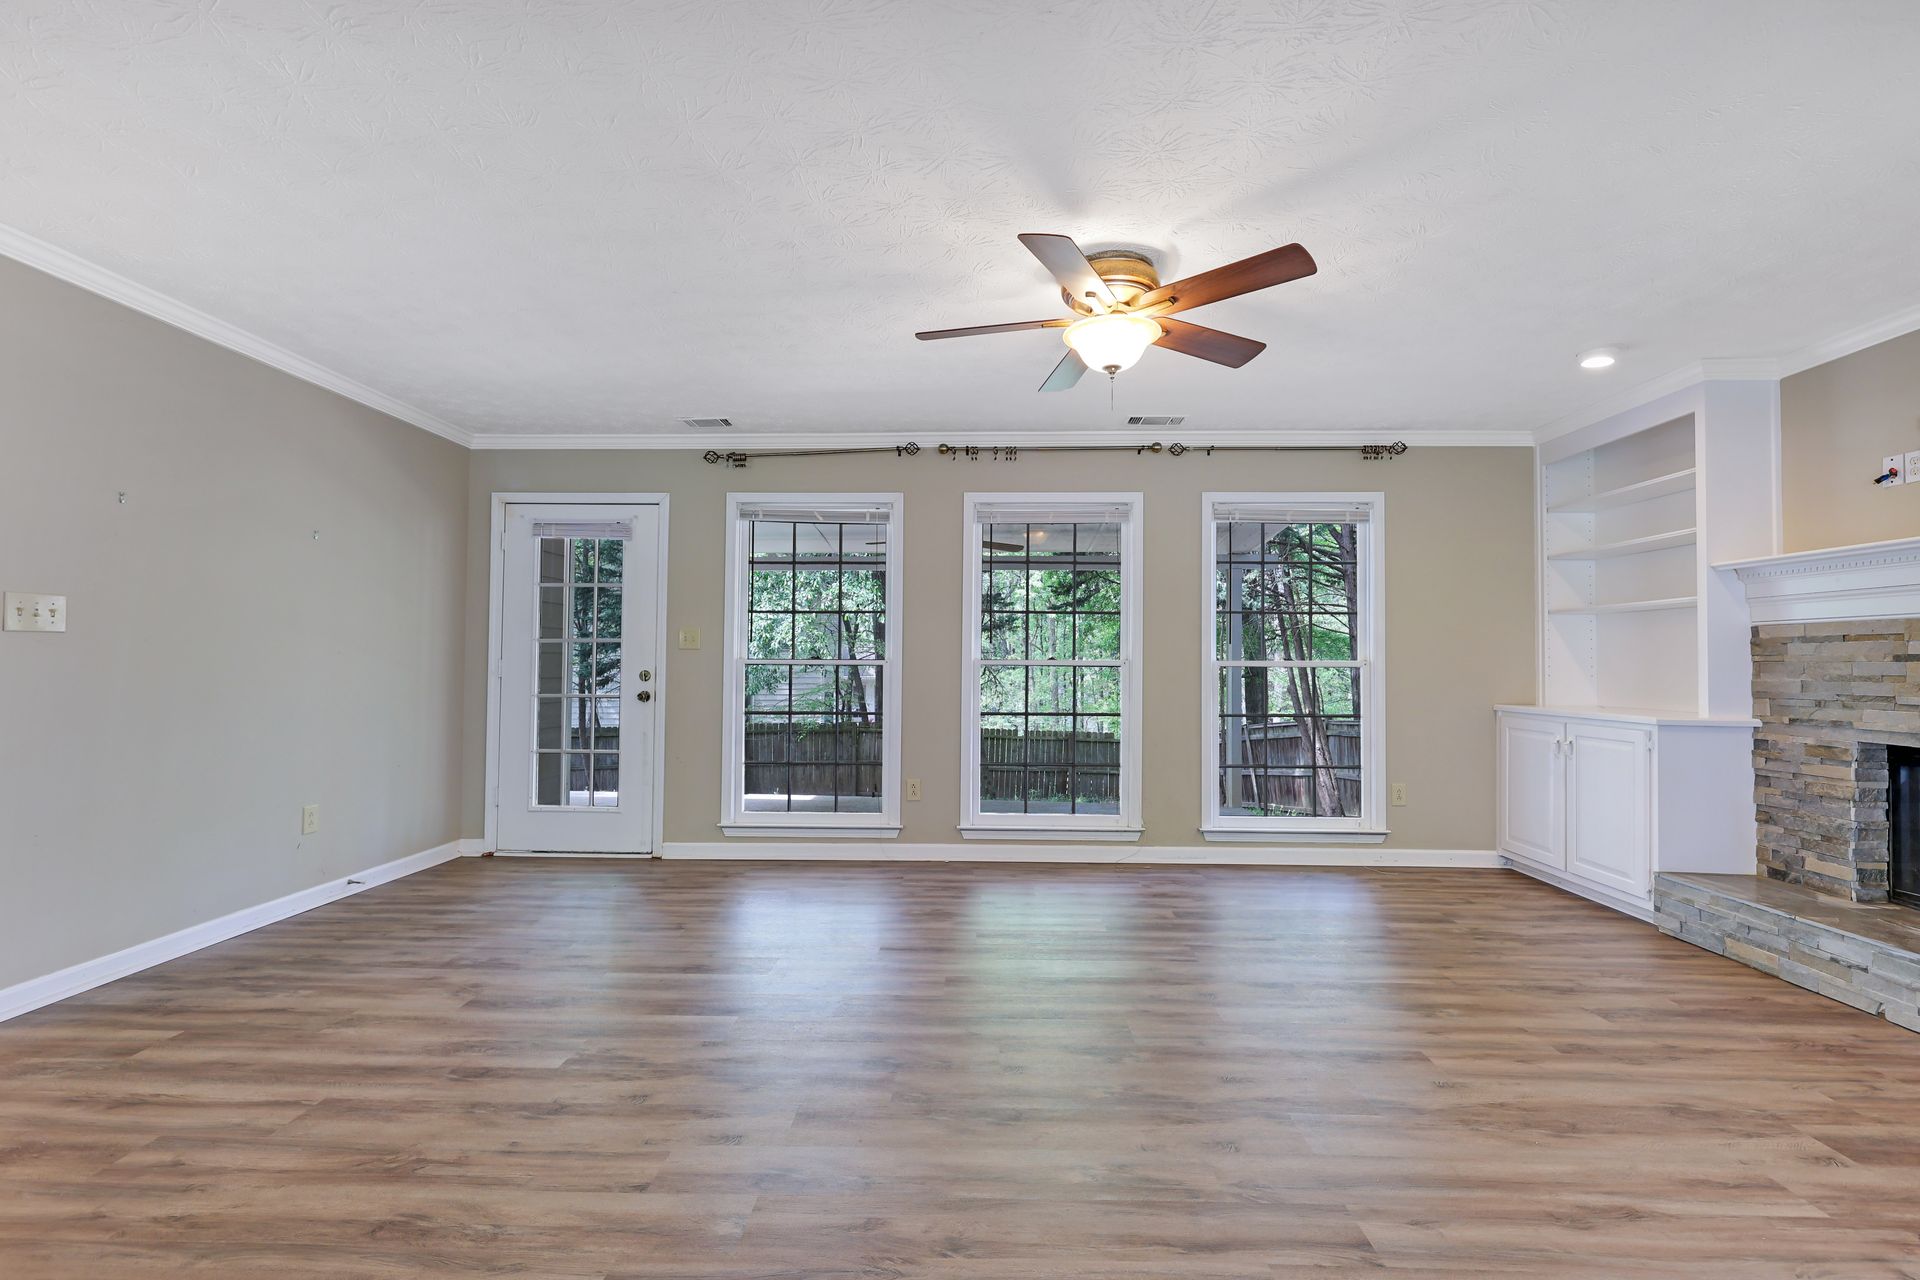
1399	793
309	819
689	637
913	788
1896	463
1907	465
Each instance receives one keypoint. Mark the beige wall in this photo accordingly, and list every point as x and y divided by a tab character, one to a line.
222	667
1837	420
1459	612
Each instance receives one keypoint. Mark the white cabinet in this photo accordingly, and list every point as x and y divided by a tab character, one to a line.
1533	793
1609	797
1599	800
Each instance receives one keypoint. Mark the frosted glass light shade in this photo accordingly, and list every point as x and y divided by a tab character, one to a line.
1112	342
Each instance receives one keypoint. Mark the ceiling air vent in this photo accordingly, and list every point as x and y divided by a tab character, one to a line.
1158	420
708	424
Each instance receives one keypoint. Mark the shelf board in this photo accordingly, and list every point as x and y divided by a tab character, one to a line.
1628	494
1630	547
1629	606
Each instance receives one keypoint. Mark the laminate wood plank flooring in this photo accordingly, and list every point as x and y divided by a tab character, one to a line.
756	1071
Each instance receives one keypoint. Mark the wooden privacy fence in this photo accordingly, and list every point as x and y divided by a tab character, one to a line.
811	752
1042	764
1275	768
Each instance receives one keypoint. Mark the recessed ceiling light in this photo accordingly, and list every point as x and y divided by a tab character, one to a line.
1598	358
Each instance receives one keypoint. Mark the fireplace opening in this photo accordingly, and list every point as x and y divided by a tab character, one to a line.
1903	824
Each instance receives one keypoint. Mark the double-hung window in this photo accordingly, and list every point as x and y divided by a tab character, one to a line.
1292	675
1051	739
813	689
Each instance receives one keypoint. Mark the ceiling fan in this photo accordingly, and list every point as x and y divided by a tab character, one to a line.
1123	308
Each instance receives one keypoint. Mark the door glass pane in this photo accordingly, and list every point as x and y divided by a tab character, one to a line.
549	719
578	672
546	777
551	614
606	779
610	557
578	765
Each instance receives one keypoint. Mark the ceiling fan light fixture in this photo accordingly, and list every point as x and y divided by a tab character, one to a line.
1112	342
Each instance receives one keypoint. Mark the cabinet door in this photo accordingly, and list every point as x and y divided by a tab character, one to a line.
1533	790
1609	806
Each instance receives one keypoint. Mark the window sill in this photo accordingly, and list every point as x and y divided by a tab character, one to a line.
1291	835
1085	835
811	831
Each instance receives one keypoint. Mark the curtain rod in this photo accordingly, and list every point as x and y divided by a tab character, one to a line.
1012	452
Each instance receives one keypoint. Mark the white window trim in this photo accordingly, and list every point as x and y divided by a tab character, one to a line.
1371	826
1124	826
735	820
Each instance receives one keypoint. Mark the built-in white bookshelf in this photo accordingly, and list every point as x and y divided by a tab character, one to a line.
1633	511
1618	538
1637	756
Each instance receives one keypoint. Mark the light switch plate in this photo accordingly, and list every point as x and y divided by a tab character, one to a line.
689	638
26	611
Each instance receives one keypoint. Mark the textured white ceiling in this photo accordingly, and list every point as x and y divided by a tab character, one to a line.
603	215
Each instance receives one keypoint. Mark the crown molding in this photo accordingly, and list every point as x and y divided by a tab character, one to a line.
1197	438
62	265
1685	378
1858	338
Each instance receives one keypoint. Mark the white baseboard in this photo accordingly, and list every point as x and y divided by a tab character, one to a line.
35	993
1200	855
1593	893
472	846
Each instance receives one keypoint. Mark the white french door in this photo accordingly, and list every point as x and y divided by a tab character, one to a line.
579	678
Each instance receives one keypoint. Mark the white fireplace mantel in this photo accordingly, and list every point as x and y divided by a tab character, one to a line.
1838	584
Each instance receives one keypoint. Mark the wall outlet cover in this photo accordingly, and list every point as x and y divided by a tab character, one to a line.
1912	461
309	819
1399	793
1896	463
913	788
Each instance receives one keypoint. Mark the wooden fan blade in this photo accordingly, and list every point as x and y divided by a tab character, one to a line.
1262	271
1061	256
968	332
1066	373
1229	349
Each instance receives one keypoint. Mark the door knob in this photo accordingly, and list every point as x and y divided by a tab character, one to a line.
645	695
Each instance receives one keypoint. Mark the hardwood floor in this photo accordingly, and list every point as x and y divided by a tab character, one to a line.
571	1069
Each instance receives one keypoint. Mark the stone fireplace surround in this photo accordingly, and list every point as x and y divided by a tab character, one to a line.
1830	697
1836	680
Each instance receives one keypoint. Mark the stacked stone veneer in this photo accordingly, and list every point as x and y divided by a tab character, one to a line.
1830	696
1876	976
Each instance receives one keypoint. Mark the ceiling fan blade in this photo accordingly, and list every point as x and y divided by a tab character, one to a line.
1061	256
969	331
1261	271
1229	349
1066	373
